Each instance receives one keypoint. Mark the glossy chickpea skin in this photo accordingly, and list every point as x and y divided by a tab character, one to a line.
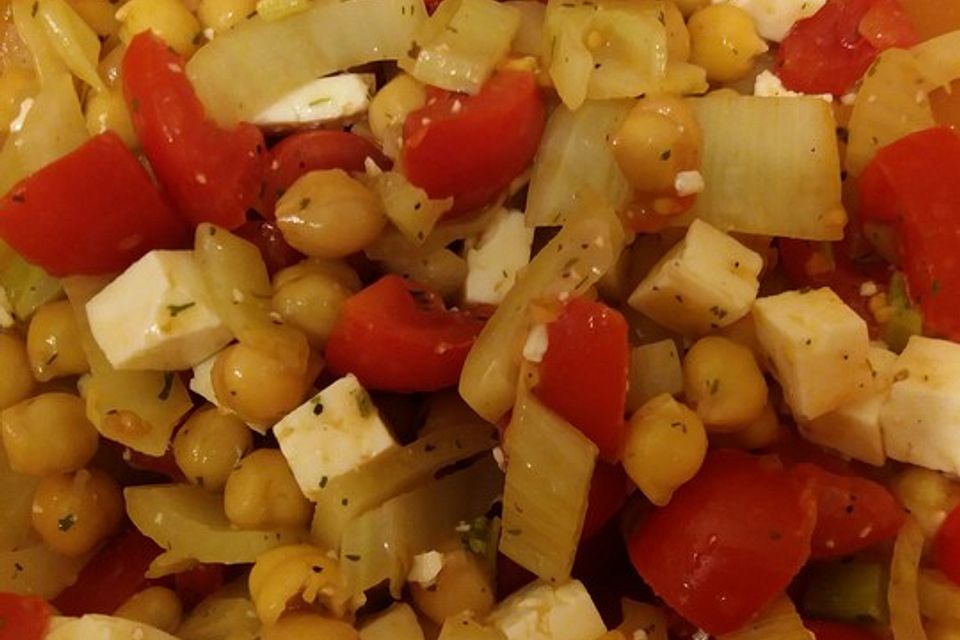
223	15
312	304
158	607
259	387
462	585
723	382
53	342
48	434
261	493
328	214
724	41
209	446
75	512
16	377
302	626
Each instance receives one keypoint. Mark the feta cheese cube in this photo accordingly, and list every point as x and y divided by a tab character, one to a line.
854	428
706	281
492	265
921	417
775	18
334	432
542	611
156	315
323	100
654	369
816	347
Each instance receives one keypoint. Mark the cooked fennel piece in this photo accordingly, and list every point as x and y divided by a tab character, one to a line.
528	41
380	544
27	286
72	39
102	627
271	10
550	465
893	100
458	46
771	167
584	249
464	627
396	471
399	622
228	613
438	268
138	409
902	598
16	501
939	597
241	71
189	523
779	620
239	291
36	569
409	207
575	160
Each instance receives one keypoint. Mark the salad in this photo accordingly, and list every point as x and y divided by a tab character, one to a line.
479	320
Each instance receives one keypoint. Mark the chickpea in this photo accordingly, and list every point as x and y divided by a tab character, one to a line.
257	386
723	382
462	585
658	139
223	15
107	111
391	106
688	7
209	446
158	607
666	444
53	342
99	15
171	20
335	269
48	434
301	626
16	378
328	214
312	304
74	512
724	41
756	434
261	493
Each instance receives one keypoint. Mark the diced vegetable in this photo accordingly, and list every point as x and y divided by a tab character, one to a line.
778	621
105	628
654	369
946	547
27	286
850	591
543	611
939	596
228	613
37	570
902	598
24	617
72	39
408	206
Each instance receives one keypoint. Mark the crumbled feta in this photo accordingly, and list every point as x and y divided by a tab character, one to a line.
768	85
425	568
775	18
688	183
537	342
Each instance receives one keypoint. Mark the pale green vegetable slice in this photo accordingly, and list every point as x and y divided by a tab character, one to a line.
37	570
902	597
27	286
409	207
73	40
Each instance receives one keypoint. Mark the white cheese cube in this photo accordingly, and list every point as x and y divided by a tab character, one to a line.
854	428
816	347
654	369
334	432
542	611
921	417
156	315
100	627
399	622
323	100
492	265
706	281
775	18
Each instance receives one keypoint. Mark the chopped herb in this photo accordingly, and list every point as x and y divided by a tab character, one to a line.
514	532
317	568
665	155
19	198
352	557
662	18
52	358
429	447
135	106
414	52
34	9
714	386
935	288
323	482
344	502
475	536
199	38
177	309
66	522
317	408
304	204
679	425
318	101
364	403
167	386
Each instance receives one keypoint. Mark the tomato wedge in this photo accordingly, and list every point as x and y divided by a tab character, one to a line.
212	174
729	541
23	617
397	336
946	546
583	374
609	489
95	210
472	147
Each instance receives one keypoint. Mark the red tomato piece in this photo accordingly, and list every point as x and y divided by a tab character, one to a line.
212	174
729	541
95	210
313	151
825	630
472	147
853	513
915	182
583	374
274	250
946	546
887	25
23	617
110	577
609	489
397	336
193	585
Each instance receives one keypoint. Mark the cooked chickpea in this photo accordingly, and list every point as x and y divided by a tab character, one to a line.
16	377
100	15
171	20
53	342
391	106
16	85
758	433
328	214
158	607
336	269
74	512
209	446
724	384
256	385
724	41
107	111
312	304
301	626
666	444
462	585
48	434
659	138
261	493
687	7
223	15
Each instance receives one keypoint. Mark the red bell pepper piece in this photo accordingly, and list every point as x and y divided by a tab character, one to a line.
23	617
95	210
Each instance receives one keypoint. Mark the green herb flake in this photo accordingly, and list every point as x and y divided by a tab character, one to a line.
66	522
323	482
167	386
352	557
364	403
177	309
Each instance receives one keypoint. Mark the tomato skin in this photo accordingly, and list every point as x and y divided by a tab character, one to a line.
946	546
825	630
274	250
729	541
915	184
609	489
472	147
95	210
589	392
301	153
196	583
887	25
211	174
23	617
397	336
853	513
